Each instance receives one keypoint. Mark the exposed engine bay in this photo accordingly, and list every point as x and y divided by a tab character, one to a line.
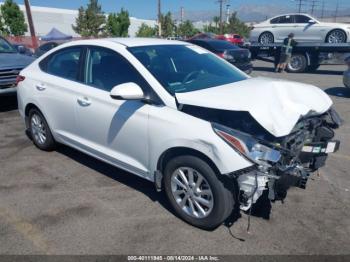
279	162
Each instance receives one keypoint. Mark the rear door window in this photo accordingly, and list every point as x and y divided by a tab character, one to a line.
286	19
64	63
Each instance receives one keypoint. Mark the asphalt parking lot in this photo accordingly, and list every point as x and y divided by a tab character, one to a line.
65	202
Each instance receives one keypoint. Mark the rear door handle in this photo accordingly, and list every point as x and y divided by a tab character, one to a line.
40	87
84	101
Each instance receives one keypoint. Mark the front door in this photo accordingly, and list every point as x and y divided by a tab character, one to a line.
114	130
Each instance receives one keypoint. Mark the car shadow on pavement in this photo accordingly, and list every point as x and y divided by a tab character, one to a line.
119	175
338	91
8	103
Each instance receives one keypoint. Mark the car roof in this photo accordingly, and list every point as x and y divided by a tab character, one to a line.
133	41
290	14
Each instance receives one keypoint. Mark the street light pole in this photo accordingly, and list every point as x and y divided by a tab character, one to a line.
31	24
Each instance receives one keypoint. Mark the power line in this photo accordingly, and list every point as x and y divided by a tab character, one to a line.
322	13
336	11
313	5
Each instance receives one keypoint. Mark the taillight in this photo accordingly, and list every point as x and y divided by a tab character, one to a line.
19	79
222	55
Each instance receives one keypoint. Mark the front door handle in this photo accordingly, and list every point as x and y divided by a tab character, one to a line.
40	87
84	101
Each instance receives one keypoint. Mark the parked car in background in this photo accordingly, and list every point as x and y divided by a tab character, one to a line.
233	38
239	57
45	48
203	36
22	49
11	63
304	27
177	115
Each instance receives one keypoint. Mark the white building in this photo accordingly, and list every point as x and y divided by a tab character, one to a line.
46	18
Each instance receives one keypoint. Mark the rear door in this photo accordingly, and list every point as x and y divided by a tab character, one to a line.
283	27
54	88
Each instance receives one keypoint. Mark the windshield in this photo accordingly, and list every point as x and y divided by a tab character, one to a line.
181	68
6	47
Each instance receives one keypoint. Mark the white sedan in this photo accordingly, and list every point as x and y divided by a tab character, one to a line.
304	27
177	115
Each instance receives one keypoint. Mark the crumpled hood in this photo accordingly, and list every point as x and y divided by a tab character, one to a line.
276	105
14	60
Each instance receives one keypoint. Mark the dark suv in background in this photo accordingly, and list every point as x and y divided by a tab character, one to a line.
11	63
239	57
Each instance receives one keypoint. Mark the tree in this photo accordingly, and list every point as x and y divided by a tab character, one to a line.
167	24
146	31
216	20
235	25
118	24
187	29
14	23
90	22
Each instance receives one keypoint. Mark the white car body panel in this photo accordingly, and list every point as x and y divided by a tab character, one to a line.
276	104
128	134
303	32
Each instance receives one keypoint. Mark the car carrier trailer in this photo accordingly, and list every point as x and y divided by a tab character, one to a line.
305	57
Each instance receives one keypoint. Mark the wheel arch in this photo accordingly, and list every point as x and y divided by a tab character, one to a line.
334	29
27	109
178	151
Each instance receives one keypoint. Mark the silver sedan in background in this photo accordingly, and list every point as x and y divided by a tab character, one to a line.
304	27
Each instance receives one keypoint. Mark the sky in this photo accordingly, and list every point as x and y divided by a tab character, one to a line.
147	9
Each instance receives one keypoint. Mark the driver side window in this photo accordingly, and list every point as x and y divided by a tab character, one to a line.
105	69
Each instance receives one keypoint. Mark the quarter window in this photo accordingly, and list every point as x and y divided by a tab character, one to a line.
275	20
64	63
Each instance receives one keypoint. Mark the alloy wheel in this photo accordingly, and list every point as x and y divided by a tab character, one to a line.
192	192
38	129
266	38
336	36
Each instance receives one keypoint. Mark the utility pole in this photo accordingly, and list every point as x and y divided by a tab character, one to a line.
322	13
336	11
221	2
31	24
300	5
182	14
313	5
159	19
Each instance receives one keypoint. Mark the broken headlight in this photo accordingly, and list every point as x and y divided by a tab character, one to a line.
247	145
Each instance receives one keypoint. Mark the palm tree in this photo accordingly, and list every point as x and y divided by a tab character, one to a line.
216	20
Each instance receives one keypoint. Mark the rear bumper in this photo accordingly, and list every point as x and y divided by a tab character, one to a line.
7	90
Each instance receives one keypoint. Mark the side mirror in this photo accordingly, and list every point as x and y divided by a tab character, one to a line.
21	49
311	21
127	91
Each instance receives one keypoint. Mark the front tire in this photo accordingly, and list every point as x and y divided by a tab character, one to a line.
40	131
196	193
336	36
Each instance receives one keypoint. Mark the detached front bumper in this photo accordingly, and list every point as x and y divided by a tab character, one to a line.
254	181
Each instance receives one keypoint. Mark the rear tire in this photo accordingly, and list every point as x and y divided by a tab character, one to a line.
297	64
266	38
208	210
40	131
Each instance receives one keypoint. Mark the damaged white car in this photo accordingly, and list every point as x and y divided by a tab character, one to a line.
207	134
